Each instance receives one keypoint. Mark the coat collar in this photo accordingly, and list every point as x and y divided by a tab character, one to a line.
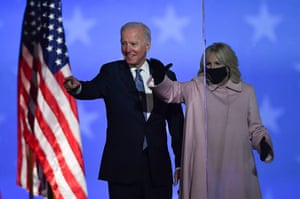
236	87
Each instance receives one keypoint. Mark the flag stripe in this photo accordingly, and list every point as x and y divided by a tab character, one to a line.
24	173
59	114
38	151
60	135
23	99
22	147
50	138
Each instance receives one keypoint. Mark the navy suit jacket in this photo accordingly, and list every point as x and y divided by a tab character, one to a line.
126	126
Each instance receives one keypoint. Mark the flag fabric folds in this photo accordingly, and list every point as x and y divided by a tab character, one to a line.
49	142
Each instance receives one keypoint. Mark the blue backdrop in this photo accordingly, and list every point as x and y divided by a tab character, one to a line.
264	34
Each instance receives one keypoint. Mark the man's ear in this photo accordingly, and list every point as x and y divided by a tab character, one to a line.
148	45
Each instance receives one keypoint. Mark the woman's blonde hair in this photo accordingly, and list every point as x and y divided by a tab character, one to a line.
226	56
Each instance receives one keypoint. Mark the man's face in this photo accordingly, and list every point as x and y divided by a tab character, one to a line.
134	46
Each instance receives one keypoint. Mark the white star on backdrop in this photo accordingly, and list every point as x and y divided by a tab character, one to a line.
297	67
298	159
2	118
171	25
270	115
86	118
264	24
268	194
77	28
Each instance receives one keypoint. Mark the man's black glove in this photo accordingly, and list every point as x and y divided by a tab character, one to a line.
265	149
159	70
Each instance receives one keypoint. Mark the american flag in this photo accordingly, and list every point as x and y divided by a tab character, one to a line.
49	142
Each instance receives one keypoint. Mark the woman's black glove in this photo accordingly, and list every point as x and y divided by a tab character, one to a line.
265	149
159	70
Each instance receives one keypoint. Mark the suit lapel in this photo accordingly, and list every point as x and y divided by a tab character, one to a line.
129	84
126	77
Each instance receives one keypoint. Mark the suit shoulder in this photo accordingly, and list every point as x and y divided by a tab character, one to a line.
112	65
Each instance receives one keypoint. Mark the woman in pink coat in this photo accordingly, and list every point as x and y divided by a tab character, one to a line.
222	127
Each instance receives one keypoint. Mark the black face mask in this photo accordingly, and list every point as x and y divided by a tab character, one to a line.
216	75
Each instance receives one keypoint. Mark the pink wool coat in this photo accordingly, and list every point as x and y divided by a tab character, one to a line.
224	168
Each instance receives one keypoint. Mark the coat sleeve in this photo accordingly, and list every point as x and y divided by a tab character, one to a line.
256	128
169	90
96	87
175	119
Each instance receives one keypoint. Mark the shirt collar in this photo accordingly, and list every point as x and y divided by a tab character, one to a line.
144	67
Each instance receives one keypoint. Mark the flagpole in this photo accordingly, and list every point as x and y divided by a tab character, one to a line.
30	173
50	194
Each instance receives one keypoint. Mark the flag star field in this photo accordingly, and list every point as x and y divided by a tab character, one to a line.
265	35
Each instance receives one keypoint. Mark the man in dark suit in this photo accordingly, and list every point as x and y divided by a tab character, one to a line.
135	162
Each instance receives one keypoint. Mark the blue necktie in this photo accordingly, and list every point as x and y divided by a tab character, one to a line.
141	89
139	80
